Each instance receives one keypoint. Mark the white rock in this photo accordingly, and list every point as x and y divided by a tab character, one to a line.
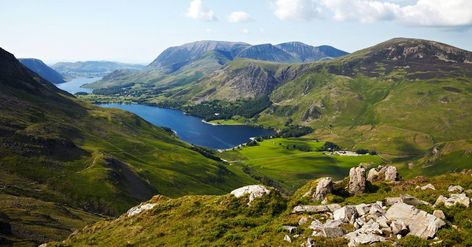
324	187
363	238
391	173
303	220
440	214
287	238
428	187
455	189
362	209
357	180
315	209
254	191
290	229
455	199
140	208
419	222
347	214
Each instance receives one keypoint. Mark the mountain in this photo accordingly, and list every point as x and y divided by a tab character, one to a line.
266	52
405	98
174	58
40	68
263	217
91	68
66	163
308	53
181	65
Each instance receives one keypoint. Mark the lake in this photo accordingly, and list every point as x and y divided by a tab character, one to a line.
74	86
192	129
188	128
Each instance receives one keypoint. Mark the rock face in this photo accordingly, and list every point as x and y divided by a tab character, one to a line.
140	208
346	214
325	186
254	191
357	180
387	173
455	199
420	223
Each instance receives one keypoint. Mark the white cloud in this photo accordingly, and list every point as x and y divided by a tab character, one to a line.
361	10
239	16
245	31
447	13
198	11
296	9
443	13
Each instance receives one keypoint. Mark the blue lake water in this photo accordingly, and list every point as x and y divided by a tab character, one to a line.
74	86
193	129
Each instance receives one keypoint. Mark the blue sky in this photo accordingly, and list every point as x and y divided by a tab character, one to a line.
137	31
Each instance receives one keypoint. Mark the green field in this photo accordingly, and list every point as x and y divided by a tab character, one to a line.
294	161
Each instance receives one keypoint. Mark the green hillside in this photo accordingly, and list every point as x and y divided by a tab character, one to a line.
57	149
229	221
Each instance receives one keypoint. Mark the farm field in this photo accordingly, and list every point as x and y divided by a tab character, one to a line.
289	163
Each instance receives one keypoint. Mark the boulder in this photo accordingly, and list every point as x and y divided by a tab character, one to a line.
357	180
428	187
455	199
254	191
325	186
455	189
363	209
391	173
331	229
440	214
315	209
140	208
387	173
364	238
407	199
346	214
419	222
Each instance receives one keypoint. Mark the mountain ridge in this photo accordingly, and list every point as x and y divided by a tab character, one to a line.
40	68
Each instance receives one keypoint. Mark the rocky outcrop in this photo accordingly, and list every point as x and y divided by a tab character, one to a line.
357	180
253	191
346	214
315	209
324	187
387	173
140	208
455	189
407	199
454	199
419	222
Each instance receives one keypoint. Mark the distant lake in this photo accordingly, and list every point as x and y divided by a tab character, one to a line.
74	86
193	129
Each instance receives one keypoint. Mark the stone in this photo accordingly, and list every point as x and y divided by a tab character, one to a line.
411	200
331	229
290	229
287	238
324	187
254	191
428	187
309	242
315	225
391	173
140	208
399	228
455	199
357	180
419	222
363	238
362	209
346	214
385	173
315	209
376	210
455	189
303	220
440	214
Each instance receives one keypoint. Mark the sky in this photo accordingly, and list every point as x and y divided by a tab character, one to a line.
137	31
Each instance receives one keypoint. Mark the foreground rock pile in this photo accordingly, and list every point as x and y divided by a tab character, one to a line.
386	220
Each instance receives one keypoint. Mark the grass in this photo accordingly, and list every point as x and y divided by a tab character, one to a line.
229	221
292	162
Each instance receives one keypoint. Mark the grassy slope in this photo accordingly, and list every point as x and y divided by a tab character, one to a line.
290	168
227	221
57	149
